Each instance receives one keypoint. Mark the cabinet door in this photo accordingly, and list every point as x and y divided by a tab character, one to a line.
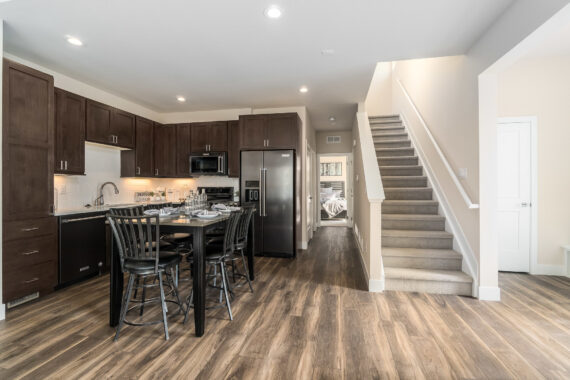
252	132
164	151
281	132
200	137
98	122
69	133
183	149
218	136
123	128
233	148
28	134
144	148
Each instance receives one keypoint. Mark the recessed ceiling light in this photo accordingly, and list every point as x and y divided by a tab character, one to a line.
303	89
181	99
74	41
273	12
332	119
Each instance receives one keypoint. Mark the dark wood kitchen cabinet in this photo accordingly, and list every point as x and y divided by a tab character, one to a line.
270	131
69	133
209	137
139	162
233	149
108	125
29	229
183	149
164	150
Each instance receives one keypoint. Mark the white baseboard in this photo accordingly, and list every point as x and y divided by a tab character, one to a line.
2	311
489	293
304	245
376	286
549	270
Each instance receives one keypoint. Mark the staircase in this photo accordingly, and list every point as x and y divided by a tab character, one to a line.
417	252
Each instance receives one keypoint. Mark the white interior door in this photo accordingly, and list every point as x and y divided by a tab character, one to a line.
514	195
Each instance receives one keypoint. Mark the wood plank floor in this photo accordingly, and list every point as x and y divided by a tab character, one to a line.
308	318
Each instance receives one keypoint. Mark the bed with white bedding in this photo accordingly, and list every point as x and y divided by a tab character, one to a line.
333	203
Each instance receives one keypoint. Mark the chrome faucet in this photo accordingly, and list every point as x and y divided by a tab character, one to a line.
100	201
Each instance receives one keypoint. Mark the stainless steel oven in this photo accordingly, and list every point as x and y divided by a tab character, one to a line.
208	163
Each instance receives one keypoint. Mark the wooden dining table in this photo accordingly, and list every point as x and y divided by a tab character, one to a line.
197	227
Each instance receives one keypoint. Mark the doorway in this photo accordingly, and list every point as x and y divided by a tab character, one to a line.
335	189
516	194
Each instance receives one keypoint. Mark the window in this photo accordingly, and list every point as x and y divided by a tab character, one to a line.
329	169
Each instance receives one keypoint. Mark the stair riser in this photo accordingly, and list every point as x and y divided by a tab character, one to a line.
409	209
417	242
393	144
385	122
434	287
401	171
387	131
417	225
421	263
412	182
397	161
386	139
395	153
416	195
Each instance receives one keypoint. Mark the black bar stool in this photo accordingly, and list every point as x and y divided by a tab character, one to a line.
138	242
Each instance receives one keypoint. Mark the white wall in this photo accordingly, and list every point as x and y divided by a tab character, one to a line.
379	98
345	145
541	87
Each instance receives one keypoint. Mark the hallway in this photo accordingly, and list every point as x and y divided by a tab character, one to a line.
308	318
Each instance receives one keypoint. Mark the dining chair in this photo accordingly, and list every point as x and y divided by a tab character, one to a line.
240	245
138	243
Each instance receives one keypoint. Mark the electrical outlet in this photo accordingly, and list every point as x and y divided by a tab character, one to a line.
462	173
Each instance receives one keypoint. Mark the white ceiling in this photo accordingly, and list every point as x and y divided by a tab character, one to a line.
227	54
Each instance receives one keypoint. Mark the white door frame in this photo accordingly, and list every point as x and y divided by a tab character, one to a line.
532	120
349	186
310	192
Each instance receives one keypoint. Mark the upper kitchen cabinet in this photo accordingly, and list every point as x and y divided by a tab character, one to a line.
108	125
28	141
209	137
233	148
164	150
123	127
69	133
183	149
270	131
139	162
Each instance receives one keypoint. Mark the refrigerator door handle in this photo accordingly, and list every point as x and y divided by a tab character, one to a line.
260	197
264	189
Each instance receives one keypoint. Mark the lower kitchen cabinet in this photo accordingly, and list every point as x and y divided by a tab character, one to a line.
82	246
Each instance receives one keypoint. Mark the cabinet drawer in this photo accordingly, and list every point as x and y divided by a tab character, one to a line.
22	281
26	252
29	228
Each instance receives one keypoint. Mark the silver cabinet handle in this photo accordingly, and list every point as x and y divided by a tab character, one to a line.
28	253
83	269
138	170
30	229
155	171
30	281
65	165
60	165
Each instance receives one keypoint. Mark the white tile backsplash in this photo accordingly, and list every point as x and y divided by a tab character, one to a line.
102	164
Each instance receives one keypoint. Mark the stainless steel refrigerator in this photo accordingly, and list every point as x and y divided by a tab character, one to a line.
268	181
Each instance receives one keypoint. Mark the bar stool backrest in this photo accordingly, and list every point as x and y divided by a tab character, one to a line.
230	232
137	238
243	225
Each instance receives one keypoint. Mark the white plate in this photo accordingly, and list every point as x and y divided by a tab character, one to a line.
209	215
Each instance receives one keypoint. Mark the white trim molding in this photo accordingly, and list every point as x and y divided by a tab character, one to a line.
566	249
2	311
489	293
374	286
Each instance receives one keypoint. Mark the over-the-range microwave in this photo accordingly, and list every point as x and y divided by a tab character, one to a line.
209	163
